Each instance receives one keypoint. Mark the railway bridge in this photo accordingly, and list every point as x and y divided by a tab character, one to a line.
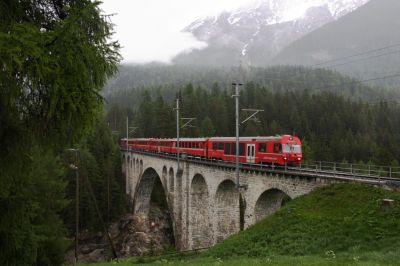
201	197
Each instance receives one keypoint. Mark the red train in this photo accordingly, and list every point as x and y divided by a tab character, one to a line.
258	150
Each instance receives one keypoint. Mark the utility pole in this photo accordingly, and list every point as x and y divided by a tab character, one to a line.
75	168
177	131
252	116
237	95
127	131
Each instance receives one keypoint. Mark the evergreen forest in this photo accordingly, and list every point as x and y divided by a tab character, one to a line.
346	122
64	102
55	58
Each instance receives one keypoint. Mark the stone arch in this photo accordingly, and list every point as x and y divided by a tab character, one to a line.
201	235
137	165
269	202
171	179
227	210
164	178
134	165
151	204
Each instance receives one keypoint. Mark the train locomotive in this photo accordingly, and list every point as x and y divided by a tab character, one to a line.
278	150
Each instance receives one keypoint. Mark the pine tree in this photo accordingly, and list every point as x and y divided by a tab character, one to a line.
55	56
207	127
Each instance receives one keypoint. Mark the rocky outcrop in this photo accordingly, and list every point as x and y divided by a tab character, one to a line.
132	235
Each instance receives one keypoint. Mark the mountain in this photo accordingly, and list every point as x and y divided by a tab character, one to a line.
371	27
256	33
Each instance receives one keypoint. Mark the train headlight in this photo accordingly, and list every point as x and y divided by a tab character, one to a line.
284	158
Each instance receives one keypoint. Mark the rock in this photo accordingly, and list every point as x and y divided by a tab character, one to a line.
85	249
133	235
114	230
96	255
386	204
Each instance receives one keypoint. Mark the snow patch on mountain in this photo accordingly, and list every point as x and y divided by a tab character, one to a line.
258	31
281	11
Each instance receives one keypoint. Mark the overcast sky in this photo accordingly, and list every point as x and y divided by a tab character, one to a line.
150	30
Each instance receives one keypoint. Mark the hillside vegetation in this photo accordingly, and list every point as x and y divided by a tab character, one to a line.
331	127
337	218
340	224
132	80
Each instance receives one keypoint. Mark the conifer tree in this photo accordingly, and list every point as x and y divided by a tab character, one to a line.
55	57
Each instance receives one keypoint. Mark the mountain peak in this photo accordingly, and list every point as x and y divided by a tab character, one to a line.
269	25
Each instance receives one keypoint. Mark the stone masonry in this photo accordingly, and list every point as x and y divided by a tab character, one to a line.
203	200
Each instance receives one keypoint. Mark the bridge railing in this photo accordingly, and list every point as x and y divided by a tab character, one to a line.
330	168
353	168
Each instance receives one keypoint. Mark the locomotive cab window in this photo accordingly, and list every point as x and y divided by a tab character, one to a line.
262	147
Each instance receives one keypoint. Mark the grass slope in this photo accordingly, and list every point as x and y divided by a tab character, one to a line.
340	224
338	218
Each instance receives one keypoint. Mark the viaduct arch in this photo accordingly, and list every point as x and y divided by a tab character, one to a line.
202	200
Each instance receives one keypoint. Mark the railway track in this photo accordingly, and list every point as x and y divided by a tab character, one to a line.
288	170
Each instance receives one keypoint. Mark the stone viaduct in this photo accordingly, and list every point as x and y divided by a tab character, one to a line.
202	199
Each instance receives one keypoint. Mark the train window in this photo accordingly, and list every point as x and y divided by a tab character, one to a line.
241	149
262	147
286	148
227	148
220	146
215	146
277	148
233	148
296	148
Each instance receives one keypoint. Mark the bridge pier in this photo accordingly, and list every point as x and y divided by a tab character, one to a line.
202	199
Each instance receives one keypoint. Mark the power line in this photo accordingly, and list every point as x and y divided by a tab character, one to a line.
355	55
350	82
372	79
362	59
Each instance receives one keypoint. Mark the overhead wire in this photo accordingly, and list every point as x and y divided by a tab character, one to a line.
362	59
357	54
350	62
